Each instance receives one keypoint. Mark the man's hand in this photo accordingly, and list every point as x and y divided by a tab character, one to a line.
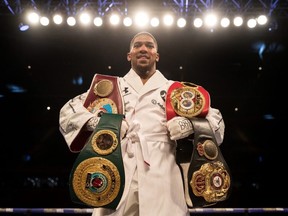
124	128
179	128
92	123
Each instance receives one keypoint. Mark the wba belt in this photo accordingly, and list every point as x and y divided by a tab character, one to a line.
205	173
97	177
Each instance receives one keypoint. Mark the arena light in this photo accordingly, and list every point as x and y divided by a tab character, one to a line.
33	17
127	21
154	22
225	22
251	23
85	18
71	21
114	19
98	21
181	22
23	27
262	20
210	20
198	22
141	19
238	21
168	20
57	19
44	21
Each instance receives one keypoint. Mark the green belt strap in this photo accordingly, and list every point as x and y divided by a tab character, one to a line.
97	177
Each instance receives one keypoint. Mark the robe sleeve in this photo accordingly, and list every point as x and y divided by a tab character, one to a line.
216	121
72	119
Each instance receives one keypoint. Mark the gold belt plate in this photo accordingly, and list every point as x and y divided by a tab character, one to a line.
187	101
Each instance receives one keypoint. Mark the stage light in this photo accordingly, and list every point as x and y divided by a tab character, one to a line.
141	19
225	22
71	21
33	17
262	20
57	19
238	21
127	21
85	18
23	27
210	20
181	22
44	21
114	19
98	21
168	20
251	23
198	22
154	22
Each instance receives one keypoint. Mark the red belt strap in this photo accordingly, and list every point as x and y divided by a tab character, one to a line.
104	94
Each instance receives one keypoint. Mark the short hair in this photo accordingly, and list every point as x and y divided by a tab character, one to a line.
144	33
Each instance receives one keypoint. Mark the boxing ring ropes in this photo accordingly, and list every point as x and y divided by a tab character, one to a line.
89	210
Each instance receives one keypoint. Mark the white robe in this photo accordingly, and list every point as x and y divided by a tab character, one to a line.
146	147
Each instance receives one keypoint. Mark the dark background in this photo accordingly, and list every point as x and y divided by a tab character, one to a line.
34	159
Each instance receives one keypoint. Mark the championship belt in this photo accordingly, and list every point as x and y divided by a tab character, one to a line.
104	95
205	173
187	99
97	177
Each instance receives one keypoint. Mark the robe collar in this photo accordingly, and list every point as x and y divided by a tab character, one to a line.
154	82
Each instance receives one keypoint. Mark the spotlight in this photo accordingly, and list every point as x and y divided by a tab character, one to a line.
23	27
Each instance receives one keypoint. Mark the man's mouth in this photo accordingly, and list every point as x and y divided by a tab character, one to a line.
143	57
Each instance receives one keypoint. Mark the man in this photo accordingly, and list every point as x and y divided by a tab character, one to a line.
153	183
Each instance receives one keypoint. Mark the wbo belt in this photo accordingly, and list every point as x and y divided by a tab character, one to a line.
97	177
205	173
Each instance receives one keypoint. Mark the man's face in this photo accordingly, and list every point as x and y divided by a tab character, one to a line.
143	54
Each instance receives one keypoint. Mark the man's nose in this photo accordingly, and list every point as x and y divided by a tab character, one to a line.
143	47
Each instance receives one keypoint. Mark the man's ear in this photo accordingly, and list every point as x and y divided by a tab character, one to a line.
129	56
157	57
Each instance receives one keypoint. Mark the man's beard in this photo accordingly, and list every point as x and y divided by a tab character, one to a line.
142	70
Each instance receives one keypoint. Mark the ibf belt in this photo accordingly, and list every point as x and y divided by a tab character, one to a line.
205	173
97	178
187	99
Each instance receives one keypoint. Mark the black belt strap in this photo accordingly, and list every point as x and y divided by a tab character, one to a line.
206	175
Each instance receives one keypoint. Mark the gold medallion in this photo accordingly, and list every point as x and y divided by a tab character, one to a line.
96	181
103	88
211	182
104	142
210	150
187	101
104	104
